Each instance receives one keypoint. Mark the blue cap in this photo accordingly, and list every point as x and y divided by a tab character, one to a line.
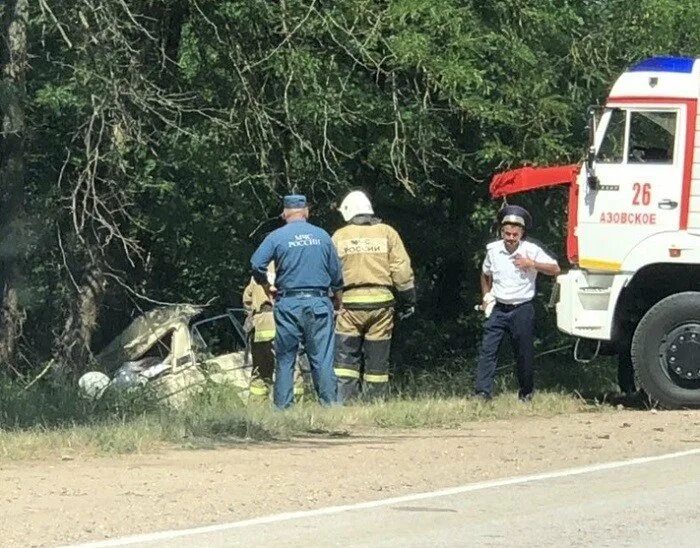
515	215
295	201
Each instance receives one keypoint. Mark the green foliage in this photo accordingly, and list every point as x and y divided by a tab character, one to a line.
191	119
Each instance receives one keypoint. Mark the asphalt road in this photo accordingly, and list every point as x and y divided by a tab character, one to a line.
642	502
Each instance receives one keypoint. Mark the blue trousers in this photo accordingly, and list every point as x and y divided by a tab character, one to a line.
307	319
519	323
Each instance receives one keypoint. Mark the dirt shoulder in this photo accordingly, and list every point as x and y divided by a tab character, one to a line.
55	502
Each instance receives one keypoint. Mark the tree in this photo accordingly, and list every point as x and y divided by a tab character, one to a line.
159	136
13	70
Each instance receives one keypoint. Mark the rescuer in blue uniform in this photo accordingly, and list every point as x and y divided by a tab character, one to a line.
308	274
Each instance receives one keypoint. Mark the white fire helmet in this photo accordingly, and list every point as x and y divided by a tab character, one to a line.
355	203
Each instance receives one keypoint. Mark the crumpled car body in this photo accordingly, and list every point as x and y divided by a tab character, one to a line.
178	350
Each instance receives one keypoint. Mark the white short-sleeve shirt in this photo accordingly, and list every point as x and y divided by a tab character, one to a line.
512	285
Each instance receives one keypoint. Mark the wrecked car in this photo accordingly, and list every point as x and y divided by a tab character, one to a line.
176	350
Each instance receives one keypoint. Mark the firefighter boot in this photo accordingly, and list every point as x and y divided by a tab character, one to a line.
348	354
348	389
263	366
259	390
375	382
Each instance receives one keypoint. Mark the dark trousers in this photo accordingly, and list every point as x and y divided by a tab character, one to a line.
519	323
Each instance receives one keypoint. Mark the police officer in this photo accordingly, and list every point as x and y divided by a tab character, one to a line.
378	276
308	272
508	274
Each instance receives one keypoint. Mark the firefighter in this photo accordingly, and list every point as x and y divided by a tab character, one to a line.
260	327
509	272
308	274
378	278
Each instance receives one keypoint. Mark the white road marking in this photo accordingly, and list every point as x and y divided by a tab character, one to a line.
286	516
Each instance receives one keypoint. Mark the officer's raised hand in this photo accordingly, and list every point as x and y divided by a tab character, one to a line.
523	263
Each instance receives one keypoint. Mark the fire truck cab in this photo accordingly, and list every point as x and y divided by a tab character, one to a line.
634	227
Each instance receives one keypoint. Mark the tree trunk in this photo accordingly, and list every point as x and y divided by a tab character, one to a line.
13	66
73	352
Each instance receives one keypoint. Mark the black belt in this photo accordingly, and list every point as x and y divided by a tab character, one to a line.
302	293
509	307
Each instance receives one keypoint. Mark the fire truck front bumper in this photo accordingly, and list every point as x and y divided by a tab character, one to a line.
586	305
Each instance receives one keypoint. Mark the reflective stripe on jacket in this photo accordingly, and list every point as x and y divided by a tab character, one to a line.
374	262
264	325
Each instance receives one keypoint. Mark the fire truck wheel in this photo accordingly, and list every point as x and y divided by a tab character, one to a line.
666	351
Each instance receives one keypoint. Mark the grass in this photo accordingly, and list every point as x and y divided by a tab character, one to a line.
55	421
216	417
139	435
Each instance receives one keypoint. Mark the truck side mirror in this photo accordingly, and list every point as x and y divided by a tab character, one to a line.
594	113
592	179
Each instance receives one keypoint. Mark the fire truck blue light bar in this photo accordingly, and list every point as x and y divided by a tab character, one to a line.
665	64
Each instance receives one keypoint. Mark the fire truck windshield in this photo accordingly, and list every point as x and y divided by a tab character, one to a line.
636	136
611	150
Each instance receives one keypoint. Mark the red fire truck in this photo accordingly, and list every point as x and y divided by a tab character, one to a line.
634	227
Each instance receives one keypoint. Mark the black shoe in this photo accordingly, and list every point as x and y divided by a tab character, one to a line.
483	396
525	398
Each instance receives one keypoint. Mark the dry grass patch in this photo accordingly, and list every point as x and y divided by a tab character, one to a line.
134	436
216	417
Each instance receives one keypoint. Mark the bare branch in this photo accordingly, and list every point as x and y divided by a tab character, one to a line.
286	38
45	7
